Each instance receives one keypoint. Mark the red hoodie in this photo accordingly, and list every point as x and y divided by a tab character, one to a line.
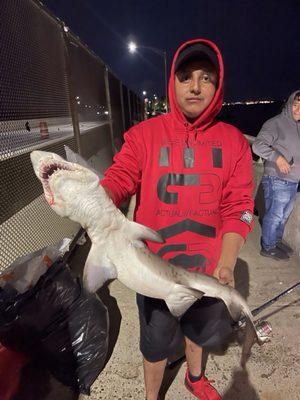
193	181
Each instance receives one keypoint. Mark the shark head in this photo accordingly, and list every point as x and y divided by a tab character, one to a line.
66	185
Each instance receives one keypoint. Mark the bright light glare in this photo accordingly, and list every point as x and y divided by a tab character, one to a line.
144	92
132	47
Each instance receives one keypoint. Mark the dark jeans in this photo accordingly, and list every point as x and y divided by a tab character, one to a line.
279	197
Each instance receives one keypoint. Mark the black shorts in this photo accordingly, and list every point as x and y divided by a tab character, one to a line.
207	323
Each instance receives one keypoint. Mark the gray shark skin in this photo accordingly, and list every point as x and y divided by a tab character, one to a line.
118	250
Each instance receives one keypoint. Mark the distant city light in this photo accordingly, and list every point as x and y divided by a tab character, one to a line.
98	113
144	92
132	47
77	97
106	112
78	102
248	102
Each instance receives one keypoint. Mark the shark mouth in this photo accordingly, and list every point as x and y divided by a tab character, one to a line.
46	171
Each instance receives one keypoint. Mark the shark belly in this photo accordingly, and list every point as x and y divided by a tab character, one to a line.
143	272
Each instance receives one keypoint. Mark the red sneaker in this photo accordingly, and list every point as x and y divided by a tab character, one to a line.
201	389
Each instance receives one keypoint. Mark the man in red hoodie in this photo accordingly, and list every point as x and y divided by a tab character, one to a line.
193	179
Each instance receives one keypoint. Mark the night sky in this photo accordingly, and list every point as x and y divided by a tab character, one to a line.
259	39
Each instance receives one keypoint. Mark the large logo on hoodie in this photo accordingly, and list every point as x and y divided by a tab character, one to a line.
208	191
208	187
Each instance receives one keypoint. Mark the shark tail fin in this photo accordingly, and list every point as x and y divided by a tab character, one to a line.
249	340
236	306
137	232
251	336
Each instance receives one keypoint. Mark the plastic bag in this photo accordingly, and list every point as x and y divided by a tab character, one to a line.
26	270
58	322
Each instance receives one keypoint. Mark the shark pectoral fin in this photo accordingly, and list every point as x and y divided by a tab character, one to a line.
97	270
181	298
137	231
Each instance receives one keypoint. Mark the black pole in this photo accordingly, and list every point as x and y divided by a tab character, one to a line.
270	302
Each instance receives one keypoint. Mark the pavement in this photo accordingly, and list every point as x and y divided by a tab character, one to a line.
272	373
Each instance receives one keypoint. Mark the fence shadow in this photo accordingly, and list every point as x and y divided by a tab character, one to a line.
240	387
242	278
259	203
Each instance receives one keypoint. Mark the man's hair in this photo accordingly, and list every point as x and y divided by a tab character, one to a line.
297	96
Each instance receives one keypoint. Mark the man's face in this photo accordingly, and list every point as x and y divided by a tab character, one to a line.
296	108
195	86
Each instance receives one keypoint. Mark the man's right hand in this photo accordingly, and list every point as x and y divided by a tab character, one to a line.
283	165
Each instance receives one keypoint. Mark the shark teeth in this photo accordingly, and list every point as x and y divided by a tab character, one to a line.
49	169
46	171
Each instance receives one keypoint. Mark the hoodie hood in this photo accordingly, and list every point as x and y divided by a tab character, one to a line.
288	108
209	114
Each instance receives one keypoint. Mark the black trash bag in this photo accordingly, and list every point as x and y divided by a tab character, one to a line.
59	323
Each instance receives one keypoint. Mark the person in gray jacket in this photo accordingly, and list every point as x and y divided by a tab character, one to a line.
278	143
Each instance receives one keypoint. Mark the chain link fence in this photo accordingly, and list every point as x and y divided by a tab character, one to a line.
54	92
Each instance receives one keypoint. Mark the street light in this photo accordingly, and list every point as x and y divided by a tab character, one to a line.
132	47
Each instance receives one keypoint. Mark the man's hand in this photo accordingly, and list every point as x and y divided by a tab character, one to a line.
231	245
283	165
224	275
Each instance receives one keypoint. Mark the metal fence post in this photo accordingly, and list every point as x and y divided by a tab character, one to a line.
72	102
109	109
122	107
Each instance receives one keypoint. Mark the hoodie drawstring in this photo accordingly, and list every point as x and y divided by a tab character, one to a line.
189	134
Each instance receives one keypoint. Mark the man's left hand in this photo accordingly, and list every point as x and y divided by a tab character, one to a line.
224	275
231	245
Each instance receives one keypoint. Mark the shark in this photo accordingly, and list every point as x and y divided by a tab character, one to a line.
118	250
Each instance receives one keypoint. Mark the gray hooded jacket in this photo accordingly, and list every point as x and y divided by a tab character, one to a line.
280	136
